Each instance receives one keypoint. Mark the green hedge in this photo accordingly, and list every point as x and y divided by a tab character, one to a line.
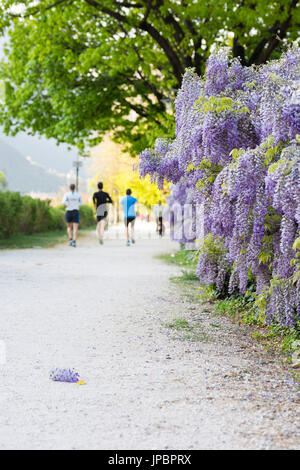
23	214
87	217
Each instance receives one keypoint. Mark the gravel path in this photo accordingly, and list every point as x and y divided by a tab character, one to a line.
104	311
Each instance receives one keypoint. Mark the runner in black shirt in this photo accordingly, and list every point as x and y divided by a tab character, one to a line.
100	200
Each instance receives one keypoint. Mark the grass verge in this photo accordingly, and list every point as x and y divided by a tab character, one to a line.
240	308
36	240
185	258
185	330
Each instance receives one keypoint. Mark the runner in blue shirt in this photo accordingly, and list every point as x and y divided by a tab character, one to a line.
128	202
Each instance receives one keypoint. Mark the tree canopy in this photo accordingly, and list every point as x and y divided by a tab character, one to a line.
75	69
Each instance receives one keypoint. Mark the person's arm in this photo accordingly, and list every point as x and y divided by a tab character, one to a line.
109	199
65	200
94	199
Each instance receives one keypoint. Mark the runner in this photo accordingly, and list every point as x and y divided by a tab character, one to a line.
100	200
128	202
158	211
72	201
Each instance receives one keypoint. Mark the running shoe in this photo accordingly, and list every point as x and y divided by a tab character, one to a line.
128	243
74	244
70	242
100	241
133	241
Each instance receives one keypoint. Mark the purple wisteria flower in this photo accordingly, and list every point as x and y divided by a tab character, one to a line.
64	375
235	153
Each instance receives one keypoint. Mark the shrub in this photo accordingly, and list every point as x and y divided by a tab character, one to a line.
56	218
87	218
10	213
24	214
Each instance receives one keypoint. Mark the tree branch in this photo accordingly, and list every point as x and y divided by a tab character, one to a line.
197	40
148	9
170	20
149	85
257	51
238	50
140	111
159	96
276	33
177	66
129	5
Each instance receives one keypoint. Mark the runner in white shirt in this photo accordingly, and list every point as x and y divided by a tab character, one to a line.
72	201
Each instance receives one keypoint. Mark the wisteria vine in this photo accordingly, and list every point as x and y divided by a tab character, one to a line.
236	154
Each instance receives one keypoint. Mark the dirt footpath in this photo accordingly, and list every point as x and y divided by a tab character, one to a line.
108	312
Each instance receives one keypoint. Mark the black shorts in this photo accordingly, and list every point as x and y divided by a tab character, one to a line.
129	220
102	217
72	217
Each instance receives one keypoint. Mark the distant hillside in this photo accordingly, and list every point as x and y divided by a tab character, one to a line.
25	176
42	150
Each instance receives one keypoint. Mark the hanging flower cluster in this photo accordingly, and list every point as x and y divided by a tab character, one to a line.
64	375
236	153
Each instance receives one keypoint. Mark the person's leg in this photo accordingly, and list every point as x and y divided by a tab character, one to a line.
132	231
160	226
102	227
76	220
75	232
98	229
69	230
127	231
